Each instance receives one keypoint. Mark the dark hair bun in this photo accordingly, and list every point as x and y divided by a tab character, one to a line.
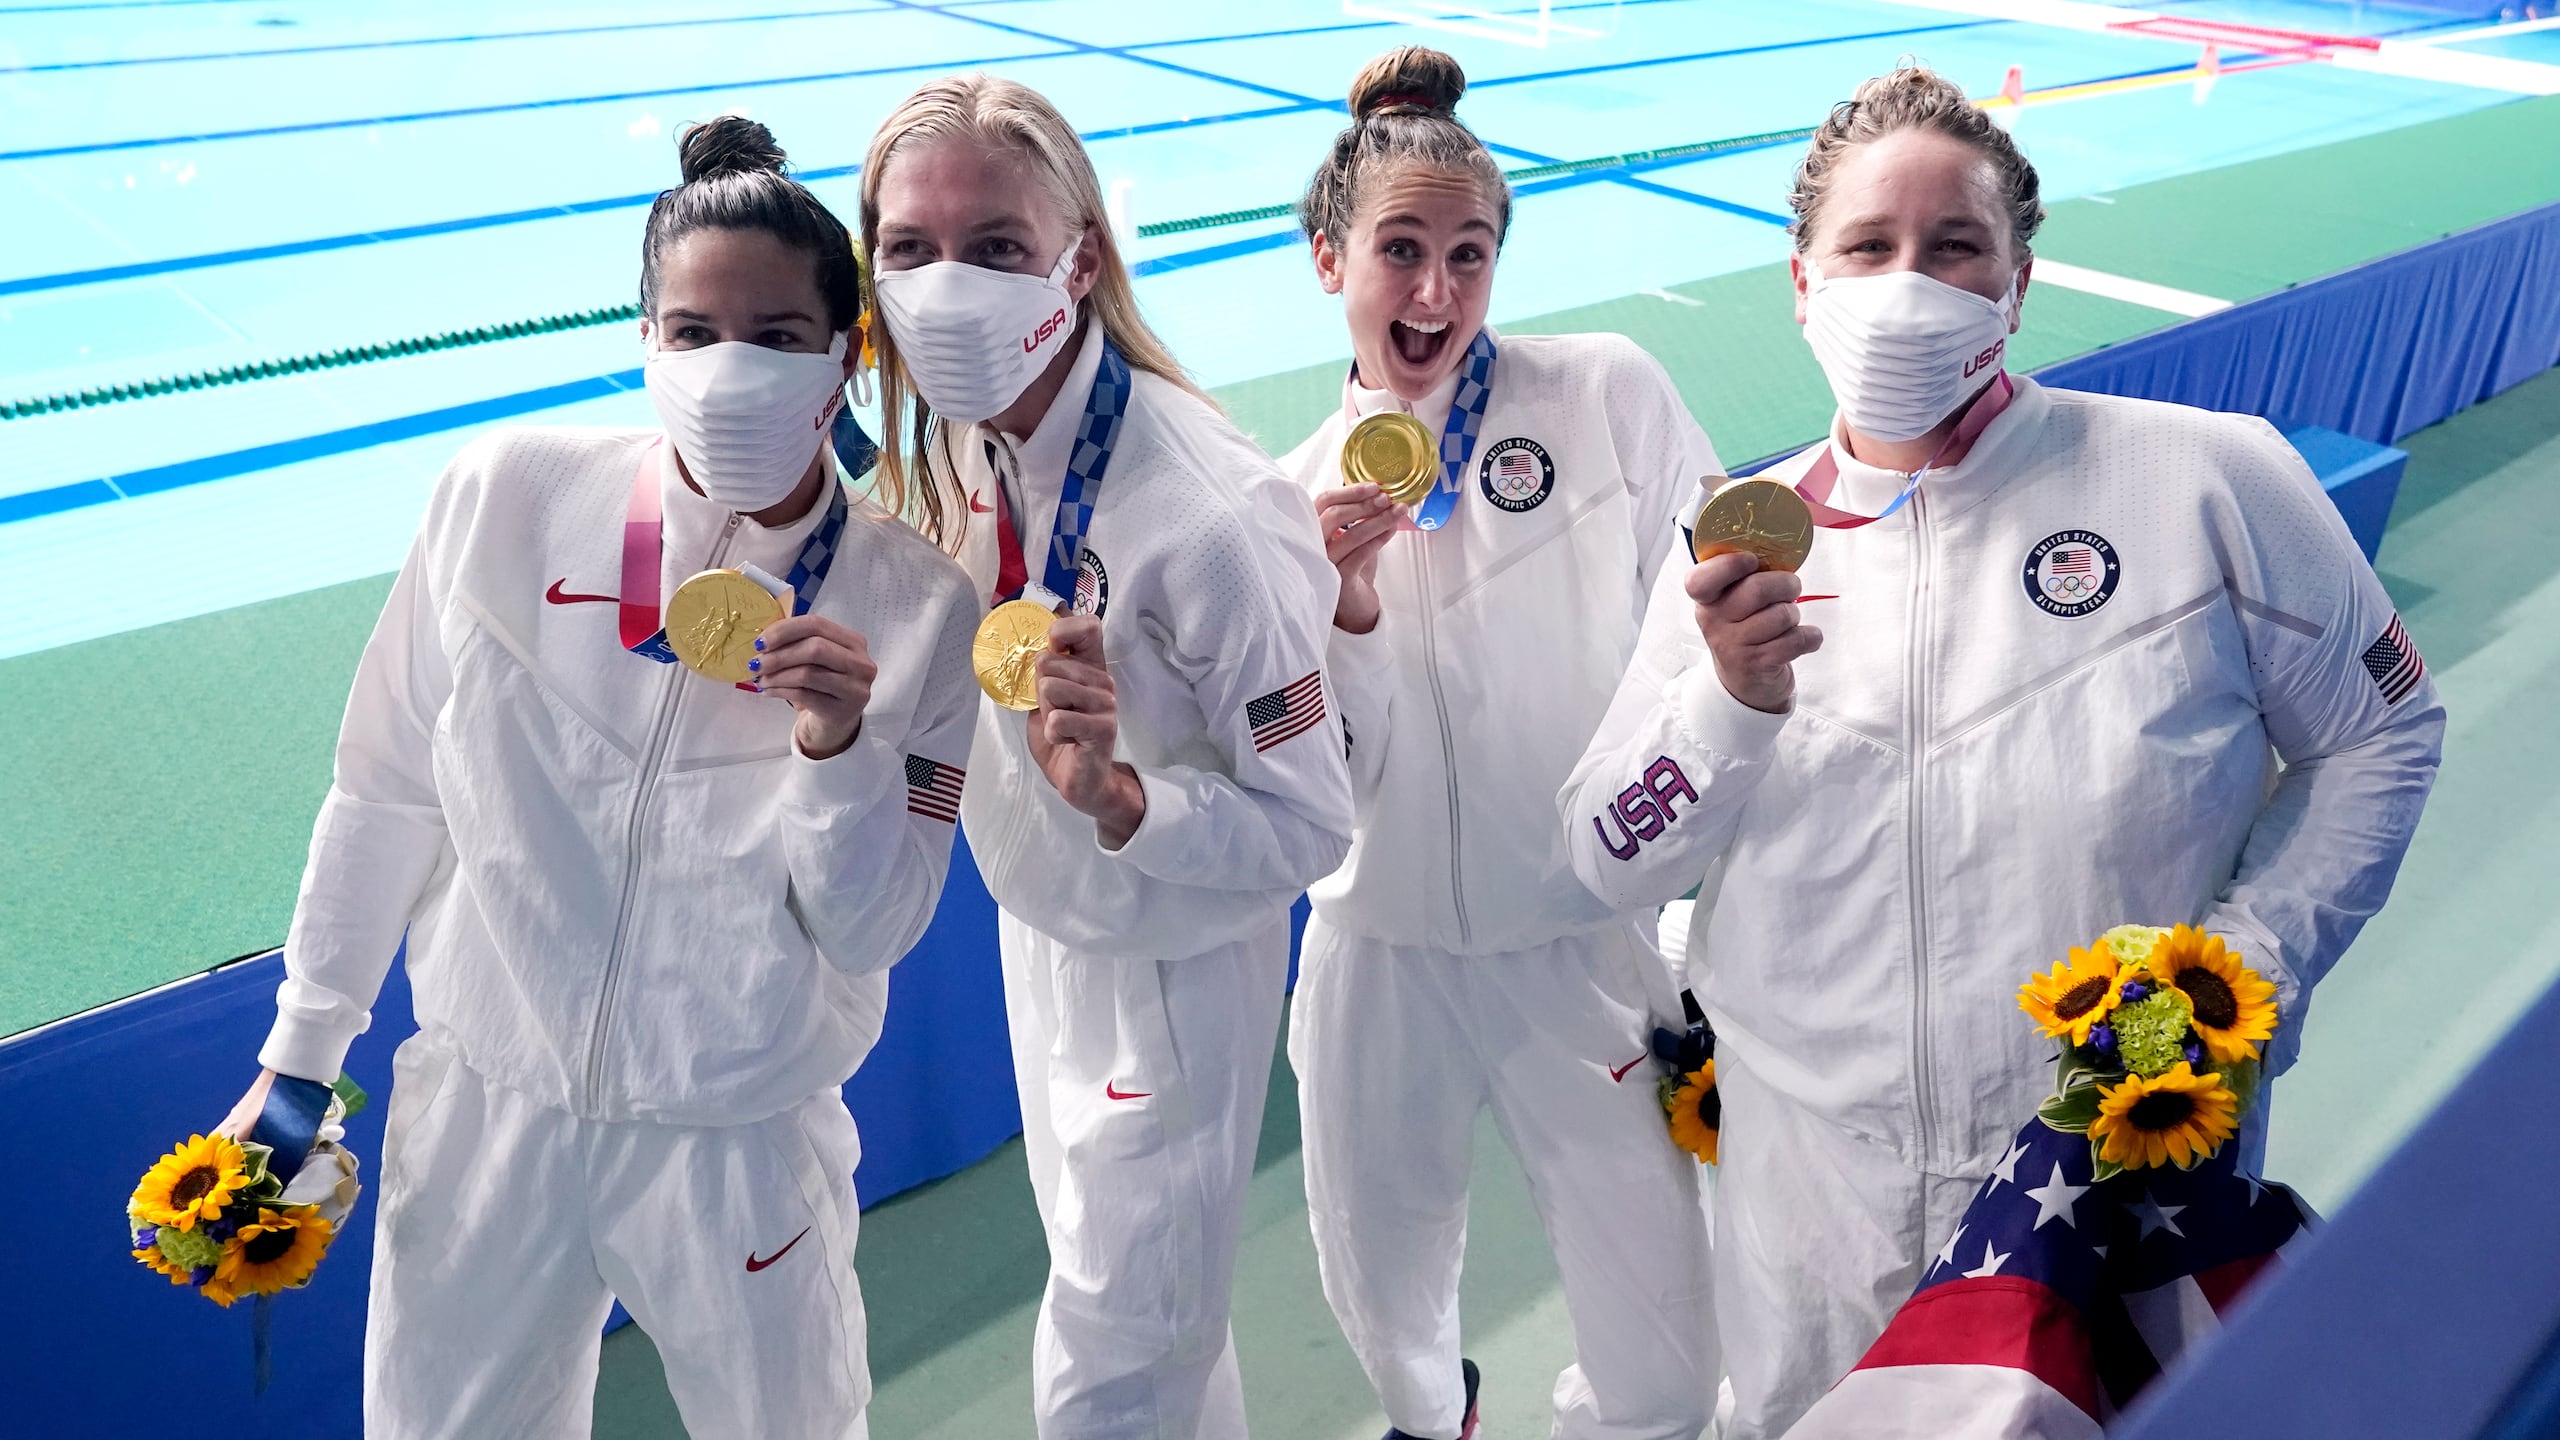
1415	80
730	145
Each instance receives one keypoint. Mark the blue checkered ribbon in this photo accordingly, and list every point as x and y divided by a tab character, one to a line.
1095	435
810	570
1458	437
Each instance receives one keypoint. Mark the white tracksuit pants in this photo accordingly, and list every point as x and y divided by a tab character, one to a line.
1142	1085
1396	1049
1819	1239
505	1229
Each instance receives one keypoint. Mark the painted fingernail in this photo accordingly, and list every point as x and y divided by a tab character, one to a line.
756	664
755	687
759	642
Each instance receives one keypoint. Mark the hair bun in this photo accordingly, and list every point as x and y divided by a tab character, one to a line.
1415	80
730	145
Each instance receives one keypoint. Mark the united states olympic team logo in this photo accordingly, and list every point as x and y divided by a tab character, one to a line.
1517	475
2072	572
1093	585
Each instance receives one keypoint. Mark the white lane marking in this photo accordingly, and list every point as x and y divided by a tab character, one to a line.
2453	67
2491	32
1674	299
2067	14
2119	287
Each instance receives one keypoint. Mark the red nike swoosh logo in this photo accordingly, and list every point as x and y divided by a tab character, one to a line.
1112	1090
1620	1074
558	596
754	1264
978	506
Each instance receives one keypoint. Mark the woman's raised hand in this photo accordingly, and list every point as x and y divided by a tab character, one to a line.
1748	618
1357	521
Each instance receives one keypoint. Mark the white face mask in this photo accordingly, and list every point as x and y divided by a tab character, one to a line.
746	420
1902	350
974	339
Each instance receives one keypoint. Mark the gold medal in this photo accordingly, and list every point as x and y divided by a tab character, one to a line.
1762	517
1392	451
713	620
1010	642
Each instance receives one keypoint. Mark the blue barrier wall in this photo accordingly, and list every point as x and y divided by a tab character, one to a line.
2445	1261
2379	351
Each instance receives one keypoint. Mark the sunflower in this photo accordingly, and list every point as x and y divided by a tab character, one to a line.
277	1252
1696	1111
151	1257
2235	1006
2077	995
2179	1118
190	1183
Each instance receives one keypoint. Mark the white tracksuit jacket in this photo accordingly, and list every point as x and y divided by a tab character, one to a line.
2052	697
627	896
1482	679
1455	961
1214	594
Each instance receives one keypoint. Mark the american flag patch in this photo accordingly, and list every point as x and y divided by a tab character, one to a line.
2073	559
1287	712
2394	664
933	789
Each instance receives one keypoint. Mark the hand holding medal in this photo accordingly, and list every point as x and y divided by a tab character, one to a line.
1749	539
823	670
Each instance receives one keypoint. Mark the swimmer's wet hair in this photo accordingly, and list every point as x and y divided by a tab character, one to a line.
1914	97
1404	112
733	180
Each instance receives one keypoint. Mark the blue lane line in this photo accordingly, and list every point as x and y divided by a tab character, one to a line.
111	5
306	127
411	44
1296	104
1210	254
160	479
494	35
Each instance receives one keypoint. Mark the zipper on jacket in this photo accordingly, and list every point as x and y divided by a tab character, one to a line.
661	726
1448	742
1915	739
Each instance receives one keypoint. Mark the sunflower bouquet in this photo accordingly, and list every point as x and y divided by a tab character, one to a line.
1687	1088
215	1212
2161	1032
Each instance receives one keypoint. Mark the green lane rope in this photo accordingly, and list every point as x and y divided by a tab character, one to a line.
585	319
323	360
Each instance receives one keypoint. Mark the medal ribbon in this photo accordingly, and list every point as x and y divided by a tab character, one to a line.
644	561
1104	408
1458	437
1824	474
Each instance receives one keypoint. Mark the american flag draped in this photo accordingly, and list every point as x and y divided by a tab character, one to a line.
2059	1297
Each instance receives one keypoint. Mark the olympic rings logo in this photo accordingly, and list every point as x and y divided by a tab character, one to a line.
2070	587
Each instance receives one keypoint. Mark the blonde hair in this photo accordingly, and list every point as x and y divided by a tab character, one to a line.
1913	97
1014	119
1404	112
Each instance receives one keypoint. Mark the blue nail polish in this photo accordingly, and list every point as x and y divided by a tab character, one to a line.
755	664
759	642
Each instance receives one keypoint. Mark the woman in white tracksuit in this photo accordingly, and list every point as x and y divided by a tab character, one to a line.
650	915
1145	829
2100	661
1455	962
